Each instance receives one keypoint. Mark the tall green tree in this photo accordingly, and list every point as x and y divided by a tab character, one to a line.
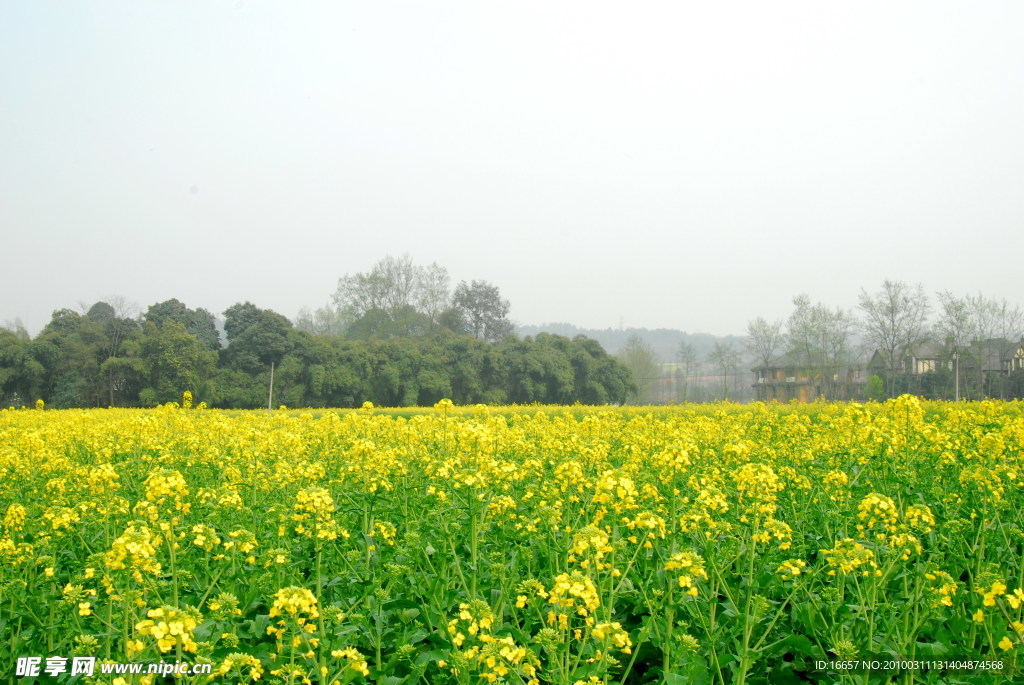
89	358
198	322
117	330
52	347
21	374
174	361
324	371
257	337
600	378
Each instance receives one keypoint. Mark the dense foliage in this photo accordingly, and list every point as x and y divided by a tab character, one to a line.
101	359
565	545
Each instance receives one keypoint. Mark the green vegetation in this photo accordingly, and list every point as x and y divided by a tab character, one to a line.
101	359
712	544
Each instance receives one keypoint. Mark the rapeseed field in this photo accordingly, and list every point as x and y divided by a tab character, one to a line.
530	545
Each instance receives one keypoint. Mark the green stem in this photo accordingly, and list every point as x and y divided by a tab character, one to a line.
748	626
471	499
171	542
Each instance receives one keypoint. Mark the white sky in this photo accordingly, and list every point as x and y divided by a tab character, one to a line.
685	165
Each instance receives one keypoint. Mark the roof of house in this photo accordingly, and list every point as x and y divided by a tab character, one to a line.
787	360
929	349
991	353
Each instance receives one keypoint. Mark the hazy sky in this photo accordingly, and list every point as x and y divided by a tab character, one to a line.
688	165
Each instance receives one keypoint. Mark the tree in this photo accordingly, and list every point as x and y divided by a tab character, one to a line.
321	321
256	337
957	326
894	320
197	322
454	319
539	370
996	323
819	338
643	364
396	298
378	324
203	325
764	339
66	360
467	358
168	310
173	361
360	293
727	359
324	371
690	362
433	292
836	326
116	323
21	375
874	388
483	309
89	358
600	378
1009	329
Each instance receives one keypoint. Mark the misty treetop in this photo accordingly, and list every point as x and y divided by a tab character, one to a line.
397	298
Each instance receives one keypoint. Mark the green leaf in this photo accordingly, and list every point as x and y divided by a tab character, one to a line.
260	625
931	649
432	656
802	645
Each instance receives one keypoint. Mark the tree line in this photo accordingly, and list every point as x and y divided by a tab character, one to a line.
396	336
399	334
897	340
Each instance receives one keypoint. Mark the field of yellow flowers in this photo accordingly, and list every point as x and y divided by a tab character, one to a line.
564	545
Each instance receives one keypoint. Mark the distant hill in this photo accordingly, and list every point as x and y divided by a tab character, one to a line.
665	341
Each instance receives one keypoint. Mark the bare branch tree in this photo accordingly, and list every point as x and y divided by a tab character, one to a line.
957	326
643	363
321	321
727	359
894	320
689	360
764	339
819	337
433	292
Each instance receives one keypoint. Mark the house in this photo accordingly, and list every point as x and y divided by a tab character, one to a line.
975	371
1016	361
787	378
987	364
782	380
923	357
990	357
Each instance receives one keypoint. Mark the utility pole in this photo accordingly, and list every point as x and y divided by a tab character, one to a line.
270	397
957	373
